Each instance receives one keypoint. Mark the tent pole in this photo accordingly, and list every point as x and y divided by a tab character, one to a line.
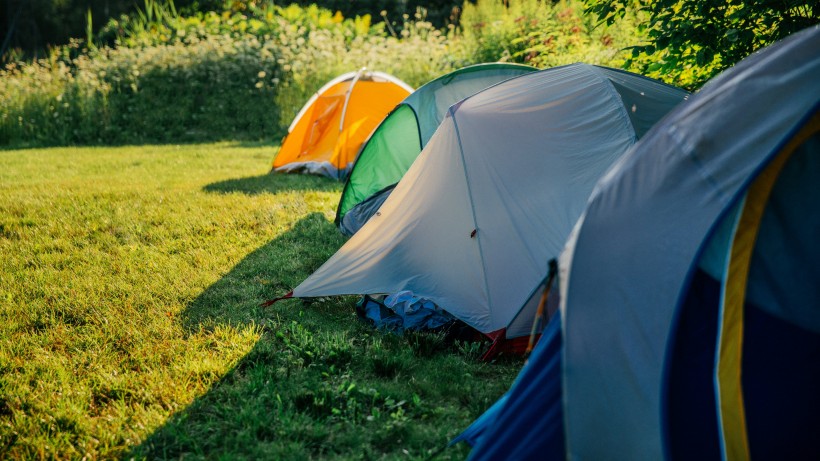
347	98
539	313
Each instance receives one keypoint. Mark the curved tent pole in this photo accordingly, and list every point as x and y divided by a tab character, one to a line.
392	79
539	314
347	97
325	87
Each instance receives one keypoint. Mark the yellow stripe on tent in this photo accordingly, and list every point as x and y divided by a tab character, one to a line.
732	418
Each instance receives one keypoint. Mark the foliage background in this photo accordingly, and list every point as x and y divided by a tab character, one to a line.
687	42
161	75
31	26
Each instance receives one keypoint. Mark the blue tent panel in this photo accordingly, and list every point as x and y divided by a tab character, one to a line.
530	424
474	433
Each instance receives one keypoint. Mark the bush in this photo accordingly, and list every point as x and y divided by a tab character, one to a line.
206	77
212	88
202	89
158	76
542	34
312	55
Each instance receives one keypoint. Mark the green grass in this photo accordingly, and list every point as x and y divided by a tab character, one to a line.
130	280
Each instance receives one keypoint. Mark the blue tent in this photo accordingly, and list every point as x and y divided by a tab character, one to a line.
527	422
690	294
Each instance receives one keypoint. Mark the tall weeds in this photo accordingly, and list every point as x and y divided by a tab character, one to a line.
163	77
543	34
159	76
202	89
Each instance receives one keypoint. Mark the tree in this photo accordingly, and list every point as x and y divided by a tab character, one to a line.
692	40
438	12
31	26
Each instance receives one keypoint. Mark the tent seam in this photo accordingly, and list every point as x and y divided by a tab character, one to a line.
452	112
340	79
621	108
418	127
348	96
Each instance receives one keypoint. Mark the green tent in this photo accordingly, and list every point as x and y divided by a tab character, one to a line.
399	139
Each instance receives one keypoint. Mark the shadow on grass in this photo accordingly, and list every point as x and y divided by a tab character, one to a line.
269	271
318	383
241	416
273	183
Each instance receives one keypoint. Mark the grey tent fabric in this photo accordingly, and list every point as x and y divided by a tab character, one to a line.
494	194
431	101
392	147
627	264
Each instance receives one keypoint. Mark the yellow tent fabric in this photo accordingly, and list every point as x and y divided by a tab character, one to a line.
328	132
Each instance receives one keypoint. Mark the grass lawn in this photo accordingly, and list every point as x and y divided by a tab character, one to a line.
130	280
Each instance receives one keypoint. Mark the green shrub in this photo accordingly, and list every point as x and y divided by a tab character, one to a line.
202	89
313	55
543	34
159	76
211	88
207	77
491	28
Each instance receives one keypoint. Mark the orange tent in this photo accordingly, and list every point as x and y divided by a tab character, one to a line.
328	132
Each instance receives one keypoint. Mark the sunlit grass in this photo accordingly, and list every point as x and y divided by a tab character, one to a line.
130	280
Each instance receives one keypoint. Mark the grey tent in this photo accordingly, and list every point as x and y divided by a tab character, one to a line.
400	137
494	194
